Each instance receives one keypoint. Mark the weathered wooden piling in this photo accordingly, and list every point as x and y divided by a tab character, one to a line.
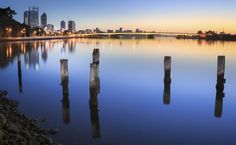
64	70
96	56
221	65
220	86
94	75
93	102
167	80
94	92
19	74
65	91
220	72
167	68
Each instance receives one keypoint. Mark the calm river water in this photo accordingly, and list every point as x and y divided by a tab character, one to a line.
123	100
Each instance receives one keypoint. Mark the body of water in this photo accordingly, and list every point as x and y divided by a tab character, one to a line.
123	99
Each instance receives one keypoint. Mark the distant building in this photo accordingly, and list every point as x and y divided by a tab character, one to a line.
81	32
63	25
50	28
71	26
43	20
88	31
121	30
97	30
138	31
33	17
26	18
128	31
110	31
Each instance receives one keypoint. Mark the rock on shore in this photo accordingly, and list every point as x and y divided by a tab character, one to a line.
18	129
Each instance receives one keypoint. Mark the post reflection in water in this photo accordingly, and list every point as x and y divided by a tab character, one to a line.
220	86
65	91
19	74
167	80
94	92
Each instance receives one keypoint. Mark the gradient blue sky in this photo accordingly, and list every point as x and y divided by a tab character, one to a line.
158	15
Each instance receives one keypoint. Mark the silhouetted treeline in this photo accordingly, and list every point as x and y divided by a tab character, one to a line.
209	35
12	28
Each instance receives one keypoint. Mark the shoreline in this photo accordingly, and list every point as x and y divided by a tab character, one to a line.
6	39
61	37
210	38
36	38
18	129
179	37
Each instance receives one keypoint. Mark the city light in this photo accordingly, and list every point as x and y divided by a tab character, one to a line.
9	30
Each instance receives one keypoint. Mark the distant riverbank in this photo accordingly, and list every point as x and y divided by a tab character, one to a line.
59	37
218	37
210	38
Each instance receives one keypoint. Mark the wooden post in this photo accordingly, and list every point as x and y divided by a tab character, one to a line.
93	102
65	91
94	75
19	74
220	86
167	68
96	56
64	71
220	72
94	92
167	80
221	65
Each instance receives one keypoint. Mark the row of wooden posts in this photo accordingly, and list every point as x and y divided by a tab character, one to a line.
95	88
94	92
219	85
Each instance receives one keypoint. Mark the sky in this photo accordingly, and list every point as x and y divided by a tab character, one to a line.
149	15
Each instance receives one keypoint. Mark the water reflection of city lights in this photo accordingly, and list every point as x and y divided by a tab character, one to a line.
10	52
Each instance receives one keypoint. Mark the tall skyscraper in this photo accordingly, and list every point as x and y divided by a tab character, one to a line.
33	17
26	18
63	25
43	20
71	26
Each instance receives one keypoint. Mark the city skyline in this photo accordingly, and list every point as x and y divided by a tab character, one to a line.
152	15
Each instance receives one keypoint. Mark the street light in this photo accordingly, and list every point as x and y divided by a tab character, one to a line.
34	33
9	30
23	32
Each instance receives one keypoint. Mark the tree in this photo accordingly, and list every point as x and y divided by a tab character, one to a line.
8	12
211	33
199	32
